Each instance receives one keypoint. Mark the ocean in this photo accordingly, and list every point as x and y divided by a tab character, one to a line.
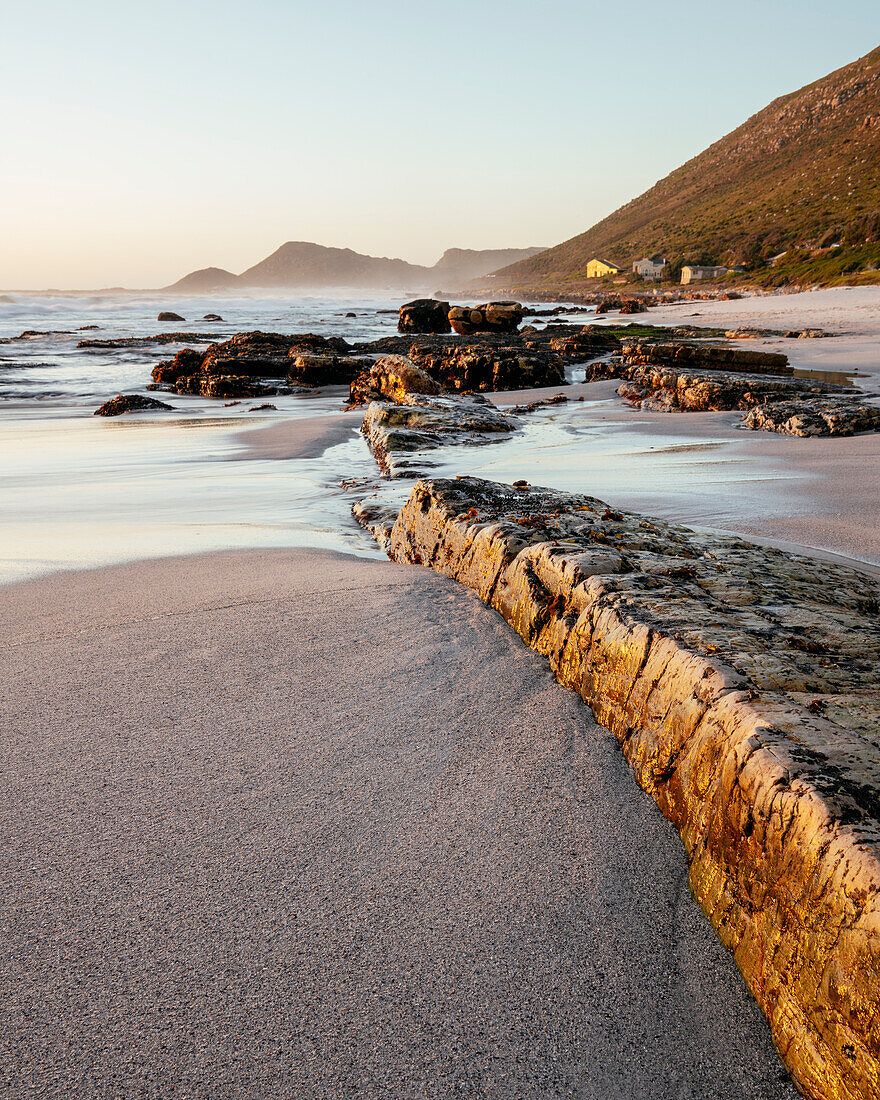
79	492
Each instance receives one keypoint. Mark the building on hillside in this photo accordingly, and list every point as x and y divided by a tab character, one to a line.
651	267
691	273
598	269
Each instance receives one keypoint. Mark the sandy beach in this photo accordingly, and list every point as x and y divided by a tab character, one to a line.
290	823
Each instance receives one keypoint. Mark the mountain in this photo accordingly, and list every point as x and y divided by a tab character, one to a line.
802	173
206	279
300	264
460	265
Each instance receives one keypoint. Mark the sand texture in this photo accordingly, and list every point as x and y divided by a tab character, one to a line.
292	824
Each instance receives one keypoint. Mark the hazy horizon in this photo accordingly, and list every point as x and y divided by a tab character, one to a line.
150	143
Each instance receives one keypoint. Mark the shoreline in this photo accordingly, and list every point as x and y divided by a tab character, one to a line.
696	468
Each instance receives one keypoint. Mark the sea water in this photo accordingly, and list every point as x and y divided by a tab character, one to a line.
78	491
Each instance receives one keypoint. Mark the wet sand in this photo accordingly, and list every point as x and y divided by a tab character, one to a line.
287	823
303	438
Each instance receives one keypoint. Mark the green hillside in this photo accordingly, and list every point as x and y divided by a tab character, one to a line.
803	174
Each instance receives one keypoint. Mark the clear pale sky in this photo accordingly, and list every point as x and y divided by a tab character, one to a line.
143	140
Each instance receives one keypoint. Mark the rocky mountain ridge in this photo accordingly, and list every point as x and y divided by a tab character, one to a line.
301	264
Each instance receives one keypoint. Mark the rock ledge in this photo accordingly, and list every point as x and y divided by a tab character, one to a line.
741	684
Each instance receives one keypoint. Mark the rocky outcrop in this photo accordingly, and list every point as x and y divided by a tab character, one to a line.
499	317
741	684
707	356
399	435
489	366
672	389
305	357
266	354
825	415
129	402
225	386
324	370
391	378
622	304
424	315
792	406
167	315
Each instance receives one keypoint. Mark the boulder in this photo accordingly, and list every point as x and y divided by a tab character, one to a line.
129	402
212	317
424	315
391	378
622	304
167	315
500	317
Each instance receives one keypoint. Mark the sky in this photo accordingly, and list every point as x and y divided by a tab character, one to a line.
141	141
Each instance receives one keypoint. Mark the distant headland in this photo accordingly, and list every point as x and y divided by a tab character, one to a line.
302	264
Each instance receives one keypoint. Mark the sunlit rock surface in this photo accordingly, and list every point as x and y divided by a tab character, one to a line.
741	683
392	378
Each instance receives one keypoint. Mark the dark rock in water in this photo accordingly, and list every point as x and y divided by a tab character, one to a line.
424	315
267	354
87	328
350	314
262	408
621	303
253	355
391	378
140	341
212	317
129	402
187	361
167	315
309	369
500	317
226	385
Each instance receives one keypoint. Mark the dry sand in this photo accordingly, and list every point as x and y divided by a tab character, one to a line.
287	823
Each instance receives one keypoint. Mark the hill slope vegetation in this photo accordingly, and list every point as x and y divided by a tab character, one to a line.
804	173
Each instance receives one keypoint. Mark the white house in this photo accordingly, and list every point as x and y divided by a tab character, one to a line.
692	274
651	267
